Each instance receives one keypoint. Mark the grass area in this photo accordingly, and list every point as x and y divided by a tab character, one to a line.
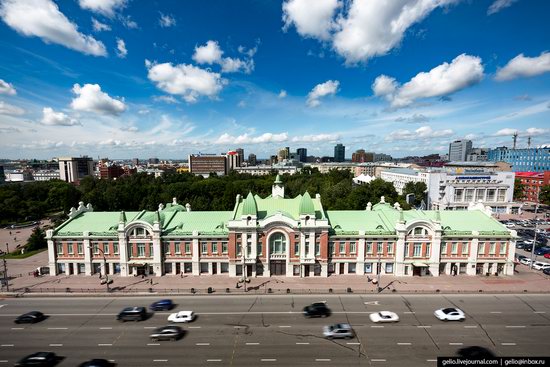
23	256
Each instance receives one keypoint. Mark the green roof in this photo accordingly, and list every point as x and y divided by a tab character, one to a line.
306	205
101	223
287	206
214	222
249	205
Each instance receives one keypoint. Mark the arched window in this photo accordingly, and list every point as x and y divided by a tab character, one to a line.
277	243
418	231
139	232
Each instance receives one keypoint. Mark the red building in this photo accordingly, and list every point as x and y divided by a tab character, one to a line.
532	184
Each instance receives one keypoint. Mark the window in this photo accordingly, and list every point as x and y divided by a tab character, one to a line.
115	248
224	247
428	248
105	248
215	248
187	247
481	248
464	248
379	248
407	250
417	250
352	247
503	248
177	247
342	248
369	247
80	249
458	195
501	195
492	248
480	194
278	243
150	250
491	195
239	249
351	268
389	248
259	249
317	249
419	231
70	249
141	249
296	248
308	248
454	248
96	249
469	195
331	248
368	268
444	248
248	246
204	247
389	268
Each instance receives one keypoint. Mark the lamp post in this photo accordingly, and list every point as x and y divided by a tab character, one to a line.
534	245
379	270
105	268
244	266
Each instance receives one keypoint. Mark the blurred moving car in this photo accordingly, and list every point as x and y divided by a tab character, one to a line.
525	261
39	359
546	271
318	309
167	333
182	316
384	316
338	331
96	362
450	314
475	352
30	317
163	304
132	314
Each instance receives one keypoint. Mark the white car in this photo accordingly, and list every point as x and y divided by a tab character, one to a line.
384	316
450	314
539	265
525	261
510	225
182	316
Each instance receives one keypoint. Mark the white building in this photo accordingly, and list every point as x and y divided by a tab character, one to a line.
267	169
459	149
73	169
46	175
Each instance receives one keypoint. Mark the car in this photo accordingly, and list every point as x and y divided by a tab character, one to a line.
338	331
475	352
539	265
450	314
30	317
510	225
547	255
167	333
39	359
546	271
182	316
520	245
317	309
528	242
525	261
519	257
163	304
96	362
384	316
132	314
542	251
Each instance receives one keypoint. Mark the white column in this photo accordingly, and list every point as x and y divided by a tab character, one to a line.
435	249
51	258
399	251
67	269
87	254
123	251
195	256
360	267
267	268
511	253
472	256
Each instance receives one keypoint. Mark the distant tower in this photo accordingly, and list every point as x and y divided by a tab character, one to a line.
515	137
528	142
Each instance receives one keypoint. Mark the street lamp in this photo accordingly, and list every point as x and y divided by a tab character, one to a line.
534	245
105	268
379	270
244	266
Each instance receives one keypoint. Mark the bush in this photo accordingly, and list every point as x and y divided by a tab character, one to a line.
37	240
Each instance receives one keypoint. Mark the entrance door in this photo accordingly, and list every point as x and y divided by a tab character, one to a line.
71	271
215	268
248	270
342	268
417	271
277	267
442	268
140	270
306	270
178	268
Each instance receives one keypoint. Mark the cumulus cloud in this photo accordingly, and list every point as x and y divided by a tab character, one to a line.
424	132
312	18
121	48
166	20
9	109
7	88
91	98
248	139
211	53
330	87
50	117
282	94
103	7
536	131
166	99
99	27
188	81
362	30
316	138
462	72
42	18
524	67
414	119
498	5
234	65
506	132
128	22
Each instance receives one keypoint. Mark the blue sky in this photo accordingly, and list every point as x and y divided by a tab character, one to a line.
129	78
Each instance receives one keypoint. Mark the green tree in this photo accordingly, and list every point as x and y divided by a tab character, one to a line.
518	189
416	188
544	195
37	240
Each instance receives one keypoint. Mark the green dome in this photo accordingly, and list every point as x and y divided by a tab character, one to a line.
306	205
278	180
249	205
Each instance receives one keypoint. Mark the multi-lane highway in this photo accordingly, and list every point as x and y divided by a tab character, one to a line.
271	330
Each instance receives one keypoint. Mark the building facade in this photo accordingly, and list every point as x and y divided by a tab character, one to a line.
205	164
73	169
459	150
523	160
339	153
532	184
302	154
278	236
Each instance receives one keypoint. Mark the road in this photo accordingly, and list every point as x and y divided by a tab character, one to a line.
271	331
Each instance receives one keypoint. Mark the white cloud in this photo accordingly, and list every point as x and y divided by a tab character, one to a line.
424	132
128	22
462	72
316	138
282	94
121	48
208	54
90	98
103	7
414	119
42	18
144	111
523	67
7	88
498	5
188	81
248	139
50	117
312	18
505	132
241	104
330	87
536	131
8	109
99	27
166	99
166	20
233	65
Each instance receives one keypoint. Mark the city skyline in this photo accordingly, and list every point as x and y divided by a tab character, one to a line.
124	79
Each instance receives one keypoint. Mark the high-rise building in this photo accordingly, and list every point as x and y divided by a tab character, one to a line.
111	172
339	153
252	159
233	160
302	154
360	156
154	161
273	159
523	160
283	154
73	169
135	161
459	149
205	164
240	152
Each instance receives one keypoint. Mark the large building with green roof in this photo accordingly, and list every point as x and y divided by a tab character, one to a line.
279	236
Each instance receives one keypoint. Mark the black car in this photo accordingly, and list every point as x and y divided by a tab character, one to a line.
39	359
163	304
132	314
96	363
546	271
475	352
30	317
167	333
318	309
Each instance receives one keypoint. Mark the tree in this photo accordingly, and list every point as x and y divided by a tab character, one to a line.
37	240
544	195
518	189
418	189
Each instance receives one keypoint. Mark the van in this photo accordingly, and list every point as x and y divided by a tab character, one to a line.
132	314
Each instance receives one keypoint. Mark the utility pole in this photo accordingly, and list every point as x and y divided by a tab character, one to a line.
534	245
6	275
105	269
379	270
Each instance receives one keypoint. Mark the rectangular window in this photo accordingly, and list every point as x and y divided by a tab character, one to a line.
105	248
458	195
501	195
141	249
70	249
80	249
187	247
389	268
443	248
215	248
224	247
379	248
259	249
296	248
351	268
204	247
96	249
249	246
317	249
417	250
352	247
389	248
480	194
342	248
492	248
151	250
481	248
177	247
428	249
407	250
368	268
454	248
491	195
331	248
503	248
464	248
469	195
239	249
369	247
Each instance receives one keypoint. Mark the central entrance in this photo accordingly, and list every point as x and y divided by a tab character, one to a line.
277	267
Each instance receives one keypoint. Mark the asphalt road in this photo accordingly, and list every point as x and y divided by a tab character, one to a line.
271	331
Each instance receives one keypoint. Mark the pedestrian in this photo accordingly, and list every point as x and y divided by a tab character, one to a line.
151	281
181	274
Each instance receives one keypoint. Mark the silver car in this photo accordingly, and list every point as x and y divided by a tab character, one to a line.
167	333
338	331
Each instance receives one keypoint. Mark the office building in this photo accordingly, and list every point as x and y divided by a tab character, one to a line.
532	185
240	153
282	154
459	149
73	169
233	160
205	164
360	156
252	161
523	160
339	153
302	154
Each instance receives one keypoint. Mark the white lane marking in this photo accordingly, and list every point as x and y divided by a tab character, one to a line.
6	345
160	360
194	327
470	326
202	344
4	361
409	312
508	343
539	311
495	312
213	360
285	326
378	360
252	343
57	328
431	360
515	326
56	345
268	359
105	328
424	326
374	303
297	343
322	359
238	326
377	326
3	305
149	327
456	343
404	343
353	343
104	344
153	344
18	328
